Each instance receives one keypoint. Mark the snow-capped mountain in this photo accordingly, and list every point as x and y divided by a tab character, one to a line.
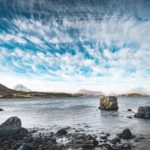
20	87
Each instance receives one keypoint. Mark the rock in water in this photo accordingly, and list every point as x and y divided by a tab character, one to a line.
129	109
1	109
143	112
62	132
108	103
126	134
13	122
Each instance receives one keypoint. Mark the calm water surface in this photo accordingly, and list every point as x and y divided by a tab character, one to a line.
76	112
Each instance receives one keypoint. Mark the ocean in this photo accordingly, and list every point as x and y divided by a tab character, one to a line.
80	113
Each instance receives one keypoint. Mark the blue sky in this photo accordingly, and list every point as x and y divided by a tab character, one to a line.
49	49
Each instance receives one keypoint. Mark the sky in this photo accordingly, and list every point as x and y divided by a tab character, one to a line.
68	45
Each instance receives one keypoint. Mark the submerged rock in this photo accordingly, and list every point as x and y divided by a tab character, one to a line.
130	117
108	103
143	112
126	134
129	109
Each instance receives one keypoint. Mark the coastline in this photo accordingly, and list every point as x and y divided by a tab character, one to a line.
73	136
66	138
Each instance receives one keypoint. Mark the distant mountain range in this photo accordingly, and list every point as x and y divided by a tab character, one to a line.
139	91
20	87
10	93
86	92
23	92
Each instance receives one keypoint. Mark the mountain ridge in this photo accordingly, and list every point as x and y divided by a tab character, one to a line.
90	92
6	92
4	89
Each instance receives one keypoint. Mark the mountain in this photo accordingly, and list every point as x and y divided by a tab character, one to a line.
86	92
138	91
4	90
20	87
9	93
131	94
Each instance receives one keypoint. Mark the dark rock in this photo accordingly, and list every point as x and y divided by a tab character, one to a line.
11	128
13	133
12	122
107	134
103	137
62	132
129	110
106	146
126	146
108	103
39	143
33	131
130	117
13	137
126	134
143	112
77	130
81	141
90	141
1	109
116	140
67	128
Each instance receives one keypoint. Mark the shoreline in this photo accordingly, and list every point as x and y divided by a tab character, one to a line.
59	97
66	138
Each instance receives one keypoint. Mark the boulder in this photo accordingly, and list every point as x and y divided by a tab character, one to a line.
126	134
11	129
13	122
108	103
13	133
143	112
62	132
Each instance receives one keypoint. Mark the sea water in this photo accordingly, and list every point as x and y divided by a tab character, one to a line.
81	113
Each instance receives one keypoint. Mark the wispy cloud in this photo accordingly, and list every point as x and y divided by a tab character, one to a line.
111	54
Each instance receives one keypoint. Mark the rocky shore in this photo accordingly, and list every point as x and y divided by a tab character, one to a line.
14	137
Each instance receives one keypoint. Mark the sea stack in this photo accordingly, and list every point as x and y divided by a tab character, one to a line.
108	103
143	112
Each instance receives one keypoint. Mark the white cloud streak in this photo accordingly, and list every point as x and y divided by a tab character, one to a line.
113	72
